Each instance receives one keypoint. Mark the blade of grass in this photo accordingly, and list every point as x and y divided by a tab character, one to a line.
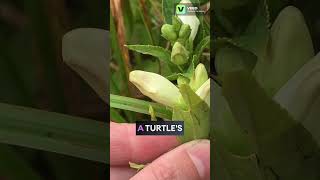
54	132
139	106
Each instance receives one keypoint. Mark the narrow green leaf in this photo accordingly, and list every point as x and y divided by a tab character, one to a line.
156	51
139	106
53	132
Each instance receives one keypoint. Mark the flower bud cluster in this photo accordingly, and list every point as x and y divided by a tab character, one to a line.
181	34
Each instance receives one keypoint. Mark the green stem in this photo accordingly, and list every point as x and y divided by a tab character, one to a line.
140	106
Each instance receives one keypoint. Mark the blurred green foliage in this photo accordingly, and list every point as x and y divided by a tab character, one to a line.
32	74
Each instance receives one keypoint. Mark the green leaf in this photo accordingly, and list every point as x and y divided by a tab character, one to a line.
234	167
85	50
150	65
195	116
226	128
53	132
231	58
290	48
285	149
156	51
204	43
140	106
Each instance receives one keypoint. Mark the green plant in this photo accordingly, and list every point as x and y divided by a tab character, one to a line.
265	94
183	90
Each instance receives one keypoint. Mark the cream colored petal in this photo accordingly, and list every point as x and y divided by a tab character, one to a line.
156	87
204	92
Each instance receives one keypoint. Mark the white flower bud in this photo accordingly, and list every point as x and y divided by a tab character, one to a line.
156	87
179	54
192	20
199	77
204	92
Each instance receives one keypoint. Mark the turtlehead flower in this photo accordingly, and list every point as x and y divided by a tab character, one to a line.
168	32
179	54
191	20
199	77
204	92
156	87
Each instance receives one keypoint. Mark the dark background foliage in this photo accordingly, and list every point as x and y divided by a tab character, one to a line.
242	15
33	74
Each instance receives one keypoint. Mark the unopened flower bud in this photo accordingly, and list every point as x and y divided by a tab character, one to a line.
204	92
179	54
199	77
176	22
185	31
168	32
156	87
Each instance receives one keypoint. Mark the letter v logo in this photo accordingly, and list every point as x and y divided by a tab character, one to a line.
181	9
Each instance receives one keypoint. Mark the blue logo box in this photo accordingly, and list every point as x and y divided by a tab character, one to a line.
169	128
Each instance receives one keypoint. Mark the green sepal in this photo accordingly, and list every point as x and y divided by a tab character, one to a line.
195	115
